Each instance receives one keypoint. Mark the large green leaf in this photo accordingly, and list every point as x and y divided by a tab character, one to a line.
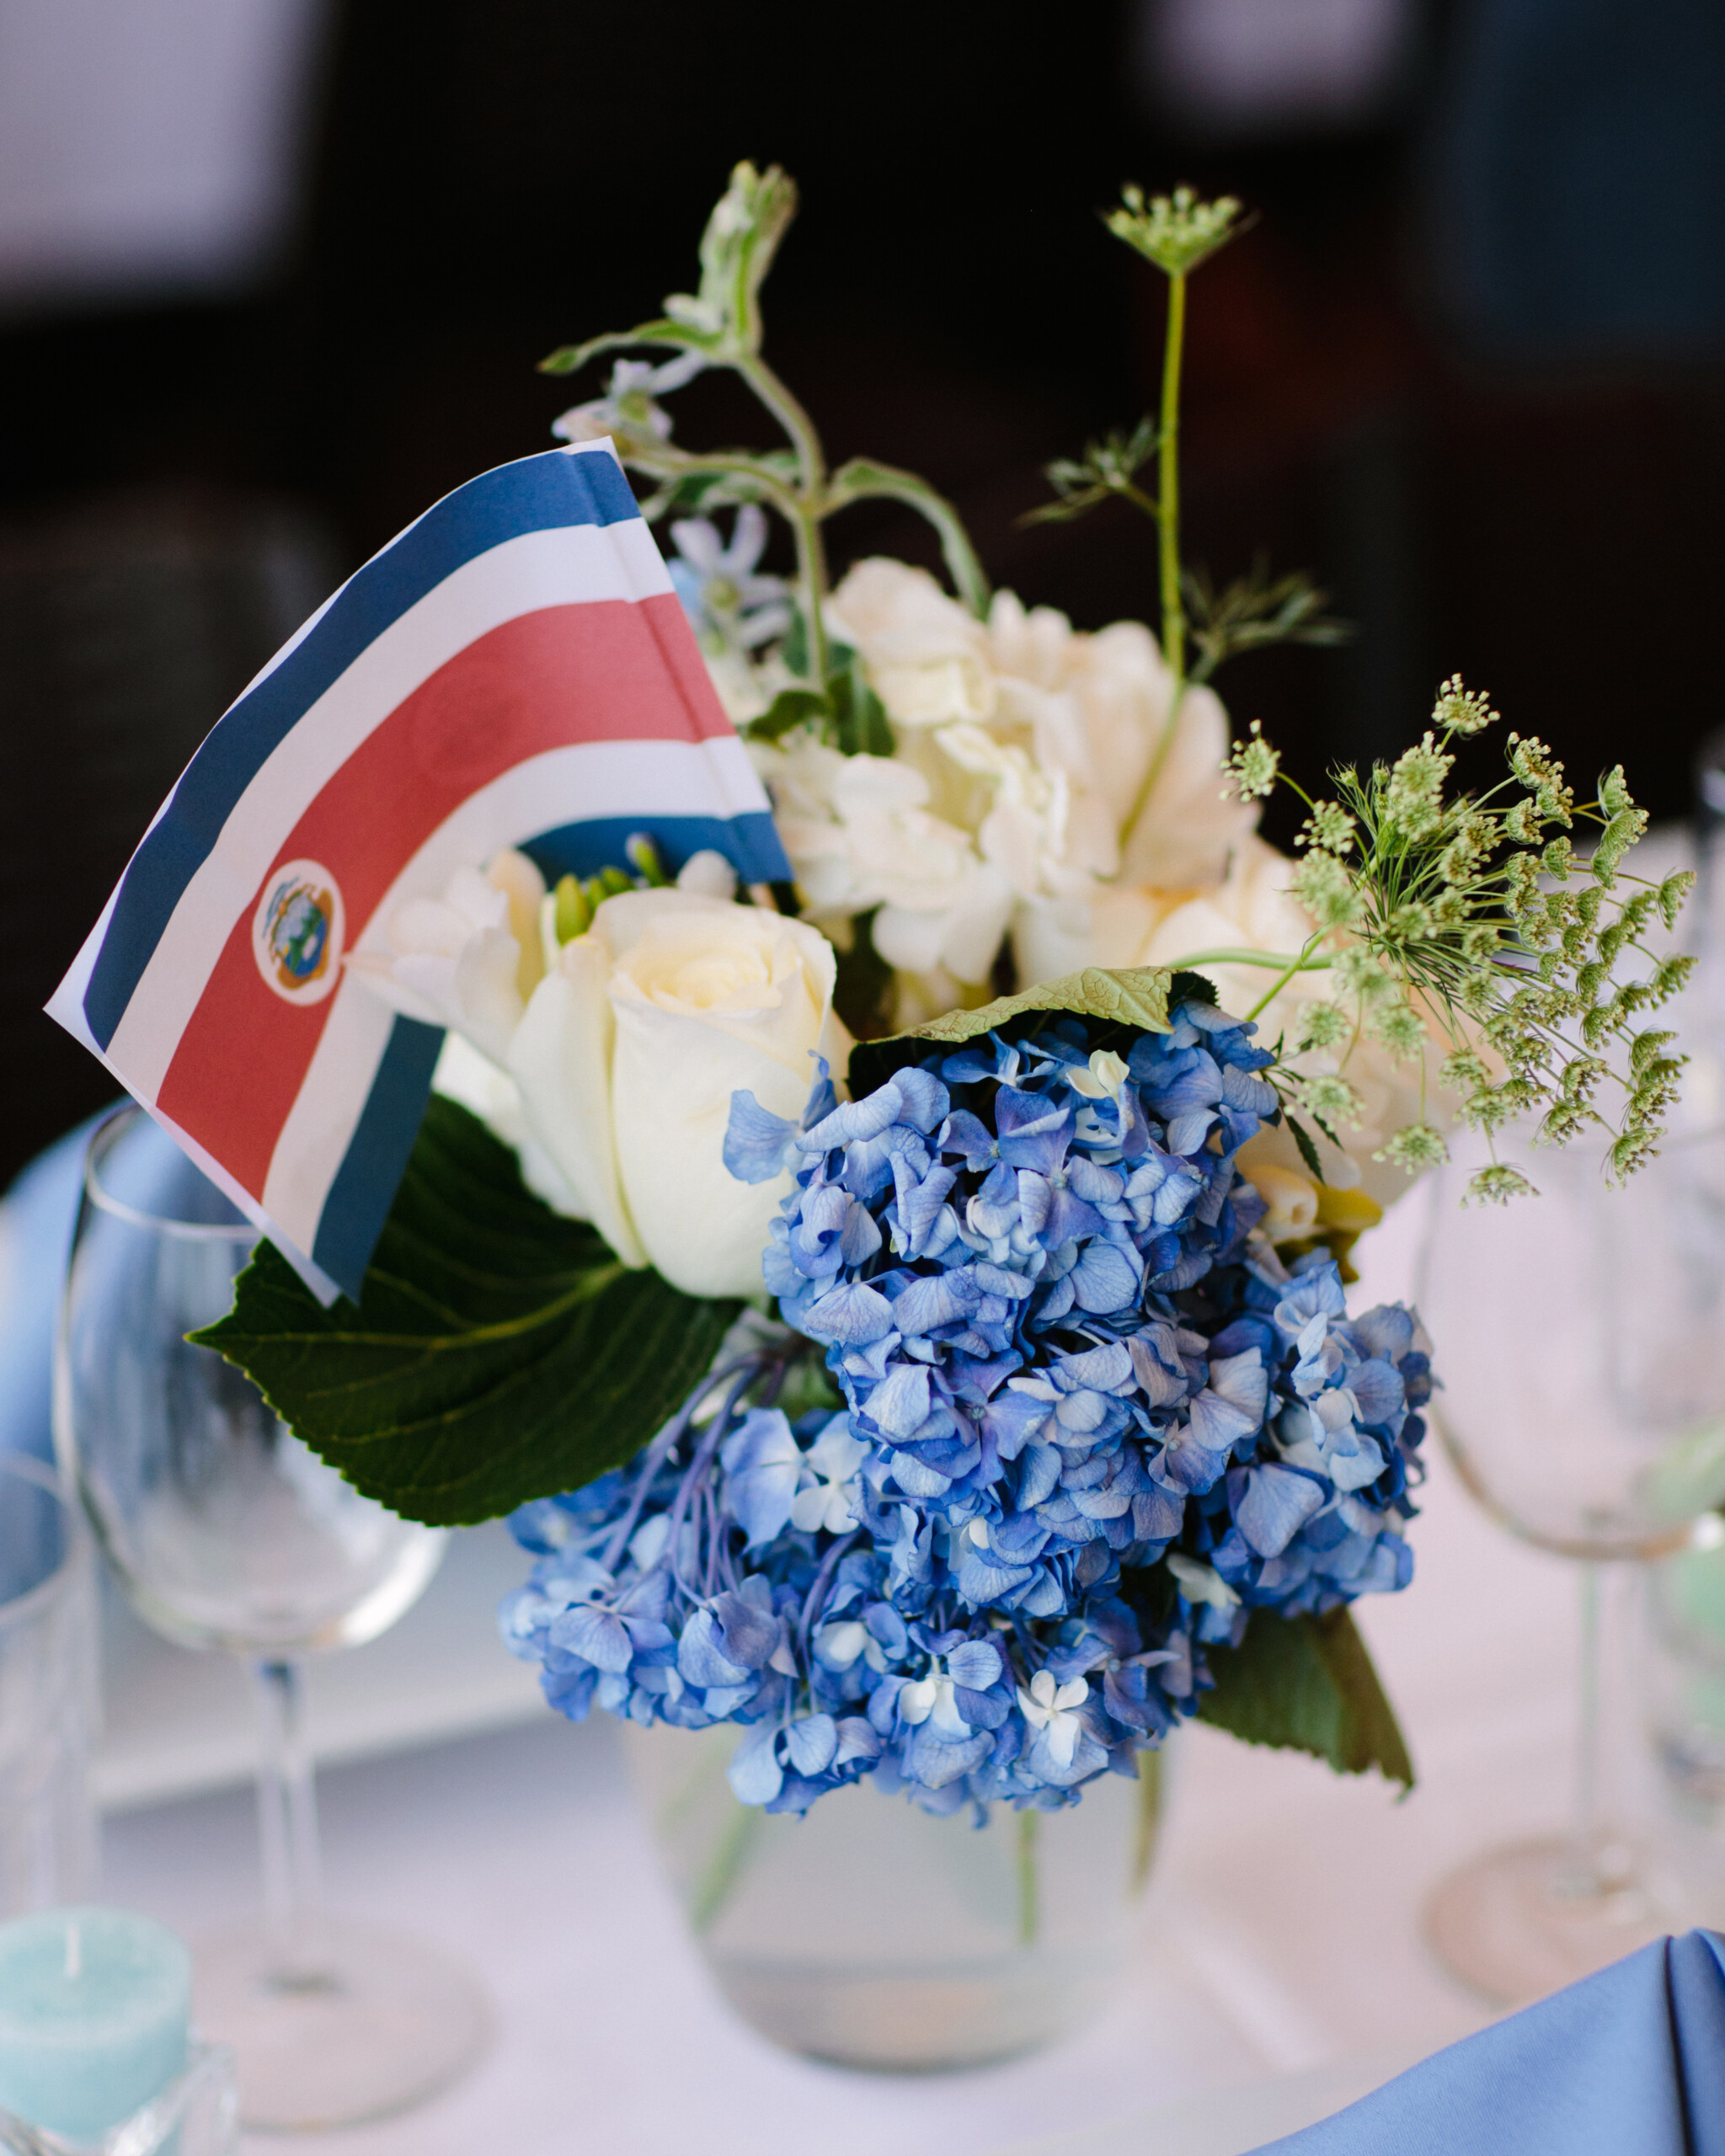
1307	1685
497	1351
1134	999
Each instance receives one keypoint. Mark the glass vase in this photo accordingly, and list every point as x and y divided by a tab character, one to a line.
873	1934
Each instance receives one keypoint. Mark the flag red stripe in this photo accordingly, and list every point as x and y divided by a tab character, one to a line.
604	671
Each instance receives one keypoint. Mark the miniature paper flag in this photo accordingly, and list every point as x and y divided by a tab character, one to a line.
514	669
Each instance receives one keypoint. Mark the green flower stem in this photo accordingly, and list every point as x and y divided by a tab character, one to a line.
863	479
811	503
1029	1910
1150	1805
1168	499
812	587
1165	510
1299	964
726	1862
1287	974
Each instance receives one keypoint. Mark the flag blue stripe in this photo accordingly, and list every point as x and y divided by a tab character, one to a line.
363	1187
750	842
537	493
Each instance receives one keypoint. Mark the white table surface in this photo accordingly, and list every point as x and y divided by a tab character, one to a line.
1282	1970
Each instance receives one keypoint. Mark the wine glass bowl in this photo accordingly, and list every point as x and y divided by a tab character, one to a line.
226	1531
1581	1336
1583	1341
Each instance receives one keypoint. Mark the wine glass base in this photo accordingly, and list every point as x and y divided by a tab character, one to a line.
1510	1925
391	2023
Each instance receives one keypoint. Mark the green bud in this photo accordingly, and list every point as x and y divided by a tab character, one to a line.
1461	1072
1397	1026
1669	974
1175	231
1325	889
573	917
1672	891
1321	1026
1253	766
1329	826
1356	972
1498	1184
1415	1148
1542	775
1632	1150
1413	797
1581	1076
1331	1099
1613	939
1521	878
1459	710
643	859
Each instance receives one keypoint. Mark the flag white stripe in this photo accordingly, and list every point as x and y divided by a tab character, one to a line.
569	565
320	1125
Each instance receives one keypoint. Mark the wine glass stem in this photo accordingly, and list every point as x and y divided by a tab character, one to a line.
287	1822
1599	1860
1586	1760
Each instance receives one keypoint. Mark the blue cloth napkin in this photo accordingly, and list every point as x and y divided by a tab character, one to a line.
36	1222
1628	2063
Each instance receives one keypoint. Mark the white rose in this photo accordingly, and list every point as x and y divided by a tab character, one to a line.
927	654
859	835
1034	743
1096	706
628	1055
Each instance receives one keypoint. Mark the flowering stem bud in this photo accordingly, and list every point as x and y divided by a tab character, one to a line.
1173	615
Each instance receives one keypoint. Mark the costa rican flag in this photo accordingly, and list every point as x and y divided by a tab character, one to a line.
514	669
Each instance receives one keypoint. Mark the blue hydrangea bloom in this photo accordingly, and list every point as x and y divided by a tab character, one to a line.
1091	1424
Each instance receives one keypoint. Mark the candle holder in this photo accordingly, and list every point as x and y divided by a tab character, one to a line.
197	2114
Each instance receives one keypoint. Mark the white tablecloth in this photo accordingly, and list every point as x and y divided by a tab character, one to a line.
1280	1935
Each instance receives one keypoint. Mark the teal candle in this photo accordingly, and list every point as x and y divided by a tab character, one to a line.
94	2005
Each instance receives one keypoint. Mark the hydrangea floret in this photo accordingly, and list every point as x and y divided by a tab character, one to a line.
1091	1427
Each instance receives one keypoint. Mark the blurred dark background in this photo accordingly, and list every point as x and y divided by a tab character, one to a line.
274	274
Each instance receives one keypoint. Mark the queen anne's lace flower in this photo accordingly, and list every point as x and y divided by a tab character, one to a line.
1091	1425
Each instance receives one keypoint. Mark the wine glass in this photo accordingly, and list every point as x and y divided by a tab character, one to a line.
1580	1336
226	1531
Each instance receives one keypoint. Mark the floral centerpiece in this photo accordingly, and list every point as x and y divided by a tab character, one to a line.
905	1314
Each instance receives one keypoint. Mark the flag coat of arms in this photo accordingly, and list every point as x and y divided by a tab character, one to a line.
515	668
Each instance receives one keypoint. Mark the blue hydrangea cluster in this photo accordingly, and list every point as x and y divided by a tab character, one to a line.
1091	1424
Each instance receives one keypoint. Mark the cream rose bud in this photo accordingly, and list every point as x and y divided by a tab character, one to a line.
468	960
630	1052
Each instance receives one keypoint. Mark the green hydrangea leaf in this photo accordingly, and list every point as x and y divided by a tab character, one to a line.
1307	1685
497	1351
1132	999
